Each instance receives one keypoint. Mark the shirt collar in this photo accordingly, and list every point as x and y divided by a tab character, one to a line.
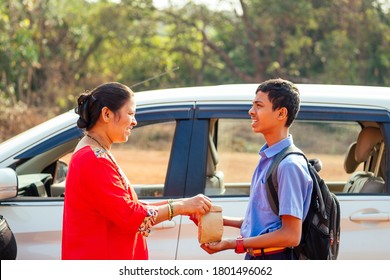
269	152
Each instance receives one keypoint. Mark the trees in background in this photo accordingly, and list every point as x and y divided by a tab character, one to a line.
51	50
340	42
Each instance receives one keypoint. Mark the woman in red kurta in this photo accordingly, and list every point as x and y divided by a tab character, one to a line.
103	218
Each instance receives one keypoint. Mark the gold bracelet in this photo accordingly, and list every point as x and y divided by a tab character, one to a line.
170	209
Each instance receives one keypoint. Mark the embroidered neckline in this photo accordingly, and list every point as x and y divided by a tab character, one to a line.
111	158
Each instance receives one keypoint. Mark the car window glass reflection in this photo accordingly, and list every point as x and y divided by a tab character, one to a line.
145	157
237	155
233	155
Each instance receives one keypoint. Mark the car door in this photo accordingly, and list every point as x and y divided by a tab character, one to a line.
154	159
205	175
364	216
323	132
34	215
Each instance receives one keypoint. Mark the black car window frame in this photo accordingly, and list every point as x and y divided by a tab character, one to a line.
205	112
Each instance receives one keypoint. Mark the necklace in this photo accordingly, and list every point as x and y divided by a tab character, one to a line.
104	148
124	181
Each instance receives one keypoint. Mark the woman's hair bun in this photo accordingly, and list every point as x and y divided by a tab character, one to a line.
82	110
112	95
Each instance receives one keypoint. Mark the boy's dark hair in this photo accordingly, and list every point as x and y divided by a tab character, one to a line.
282	93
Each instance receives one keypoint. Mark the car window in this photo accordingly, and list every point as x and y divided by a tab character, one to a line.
145	157
237	150
327	142
237	155
43	175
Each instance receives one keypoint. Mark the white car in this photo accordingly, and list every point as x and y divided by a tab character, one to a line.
199	140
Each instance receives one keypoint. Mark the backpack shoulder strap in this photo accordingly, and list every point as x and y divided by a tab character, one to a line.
272	177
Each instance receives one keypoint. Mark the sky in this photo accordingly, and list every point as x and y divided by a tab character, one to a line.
212	4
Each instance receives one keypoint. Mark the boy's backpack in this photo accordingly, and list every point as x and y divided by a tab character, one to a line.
321	227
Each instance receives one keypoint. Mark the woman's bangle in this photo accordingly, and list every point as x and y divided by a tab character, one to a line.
170	209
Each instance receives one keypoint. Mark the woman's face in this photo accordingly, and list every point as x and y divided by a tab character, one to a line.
124	122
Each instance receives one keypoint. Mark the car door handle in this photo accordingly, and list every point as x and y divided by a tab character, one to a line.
370	217
165	225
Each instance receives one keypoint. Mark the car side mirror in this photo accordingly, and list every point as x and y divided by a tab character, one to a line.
8	183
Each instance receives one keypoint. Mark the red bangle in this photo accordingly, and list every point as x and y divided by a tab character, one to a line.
240	245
